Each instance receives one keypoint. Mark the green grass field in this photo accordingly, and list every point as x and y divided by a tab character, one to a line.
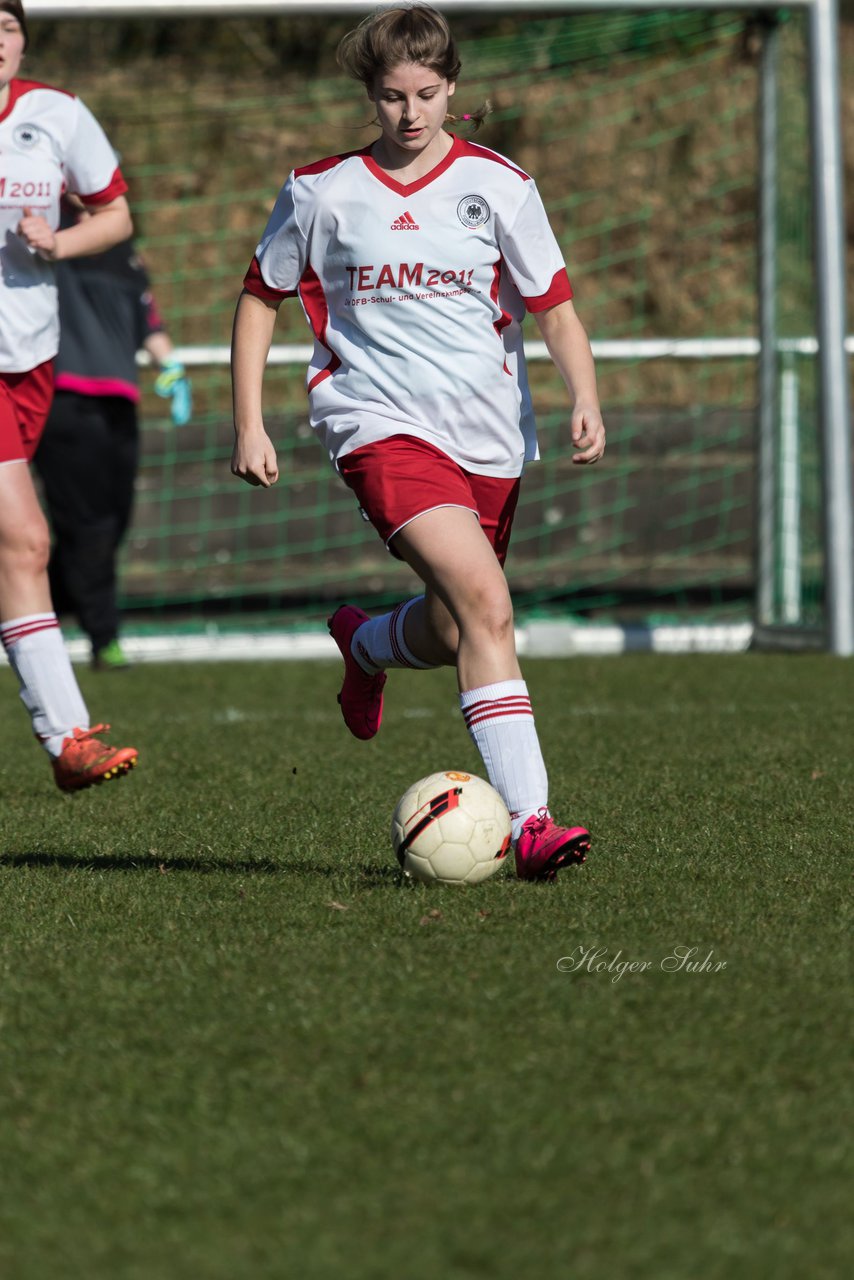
234	1045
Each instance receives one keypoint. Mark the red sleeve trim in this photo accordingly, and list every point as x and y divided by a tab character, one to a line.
560	290
254	283
116	187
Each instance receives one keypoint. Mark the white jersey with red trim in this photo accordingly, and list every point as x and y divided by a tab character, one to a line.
415	295
49	142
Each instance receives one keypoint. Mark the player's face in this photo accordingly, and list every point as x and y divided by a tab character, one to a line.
411	103
11	49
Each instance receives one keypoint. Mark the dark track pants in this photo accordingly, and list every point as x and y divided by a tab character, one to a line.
87	460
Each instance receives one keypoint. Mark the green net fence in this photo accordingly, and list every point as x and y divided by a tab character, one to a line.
641	130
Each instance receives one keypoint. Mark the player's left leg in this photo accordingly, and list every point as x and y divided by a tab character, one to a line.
29	630
453	555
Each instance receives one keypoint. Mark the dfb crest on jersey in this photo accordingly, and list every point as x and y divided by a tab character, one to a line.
26	135
473	211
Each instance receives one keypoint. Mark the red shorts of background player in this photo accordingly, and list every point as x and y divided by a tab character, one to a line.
402	477
25	399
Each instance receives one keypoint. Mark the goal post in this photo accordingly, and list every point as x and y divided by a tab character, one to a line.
789	367
829	221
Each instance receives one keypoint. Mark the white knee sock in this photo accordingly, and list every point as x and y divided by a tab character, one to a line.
500	720
379	643
49	691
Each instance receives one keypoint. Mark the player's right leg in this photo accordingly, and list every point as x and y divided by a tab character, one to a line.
394	480
419	634
361	696
30	635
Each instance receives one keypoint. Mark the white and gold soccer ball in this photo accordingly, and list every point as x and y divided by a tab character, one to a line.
450	828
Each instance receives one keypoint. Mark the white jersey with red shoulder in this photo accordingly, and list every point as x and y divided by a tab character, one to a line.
415	295
49	142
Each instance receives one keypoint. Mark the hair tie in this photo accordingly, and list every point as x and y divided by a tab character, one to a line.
467	117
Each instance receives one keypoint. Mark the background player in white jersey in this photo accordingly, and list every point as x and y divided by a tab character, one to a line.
48	141
415	261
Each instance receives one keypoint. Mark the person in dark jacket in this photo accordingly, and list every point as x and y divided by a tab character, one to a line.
89	453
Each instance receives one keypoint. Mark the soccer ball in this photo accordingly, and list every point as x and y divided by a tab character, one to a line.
450	828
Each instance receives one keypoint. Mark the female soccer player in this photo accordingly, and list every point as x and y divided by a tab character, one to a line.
48	141
415	261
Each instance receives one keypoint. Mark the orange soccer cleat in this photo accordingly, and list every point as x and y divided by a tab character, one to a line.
86	760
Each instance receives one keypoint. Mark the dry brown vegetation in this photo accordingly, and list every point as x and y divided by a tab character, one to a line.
648	164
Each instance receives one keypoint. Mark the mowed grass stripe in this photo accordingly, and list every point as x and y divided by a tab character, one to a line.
233	1043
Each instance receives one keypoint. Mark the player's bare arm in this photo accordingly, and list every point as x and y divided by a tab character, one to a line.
254	457
569	348
108	225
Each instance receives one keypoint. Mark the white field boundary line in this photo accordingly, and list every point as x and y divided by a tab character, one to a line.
541	639
603	349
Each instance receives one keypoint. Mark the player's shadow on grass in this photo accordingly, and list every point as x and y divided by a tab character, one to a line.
375	875
372	875
113	862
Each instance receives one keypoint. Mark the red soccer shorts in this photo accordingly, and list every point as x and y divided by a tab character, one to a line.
25	399
402	477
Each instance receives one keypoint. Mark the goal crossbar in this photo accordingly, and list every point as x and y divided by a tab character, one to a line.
245	8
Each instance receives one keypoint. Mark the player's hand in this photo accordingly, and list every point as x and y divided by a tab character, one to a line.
254	459
38	235
588	435
173	384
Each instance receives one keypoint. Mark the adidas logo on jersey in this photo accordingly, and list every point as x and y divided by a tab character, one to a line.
405	222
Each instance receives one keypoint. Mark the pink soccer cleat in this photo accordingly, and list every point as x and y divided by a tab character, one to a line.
361	696
543	848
